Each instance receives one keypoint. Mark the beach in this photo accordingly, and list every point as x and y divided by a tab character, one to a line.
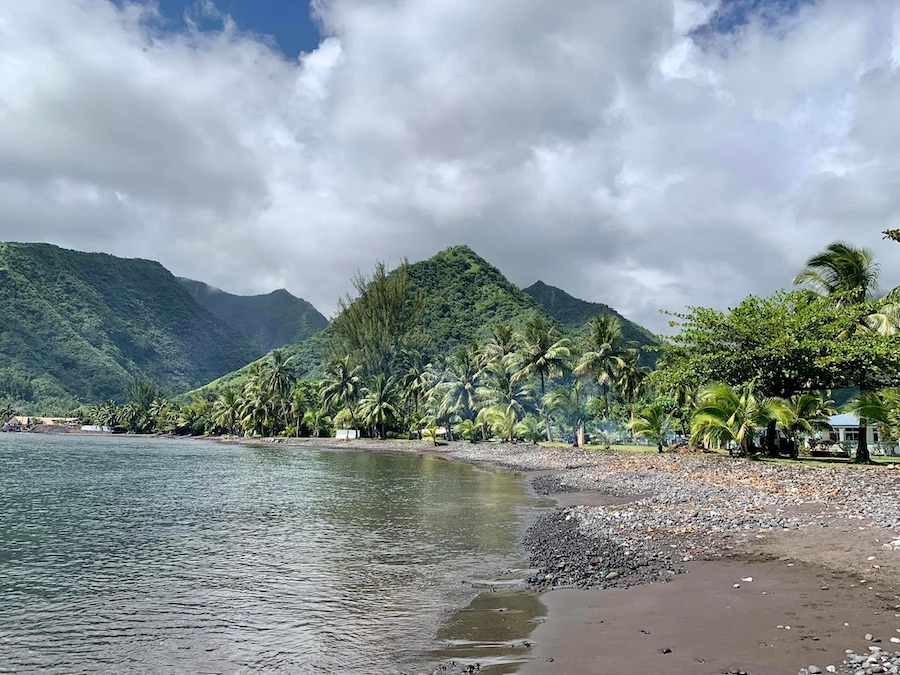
699	563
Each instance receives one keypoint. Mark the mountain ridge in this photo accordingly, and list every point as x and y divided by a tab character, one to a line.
268	321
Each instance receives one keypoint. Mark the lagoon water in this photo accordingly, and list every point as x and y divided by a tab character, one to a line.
151	555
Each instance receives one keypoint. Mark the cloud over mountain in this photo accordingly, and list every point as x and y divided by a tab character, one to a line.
620	151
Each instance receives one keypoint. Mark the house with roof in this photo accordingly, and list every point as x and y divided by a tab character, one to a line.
845	433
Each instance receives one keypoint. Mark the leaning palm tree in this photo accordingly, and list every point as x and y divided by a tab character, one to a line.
735	415
379	403
842	272
652	423
604	355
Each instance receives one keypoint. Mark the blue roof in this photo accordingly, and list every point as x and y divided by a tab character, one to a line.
845	420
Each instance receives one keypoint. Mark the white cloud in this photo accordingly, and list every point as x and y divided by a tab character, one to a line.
602	148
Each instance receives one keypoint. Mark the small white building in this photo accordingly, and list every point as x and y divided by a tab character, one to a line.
845	429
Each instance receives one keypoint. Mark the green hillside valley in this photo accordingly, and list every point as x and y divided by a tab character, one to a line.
77	328
266	321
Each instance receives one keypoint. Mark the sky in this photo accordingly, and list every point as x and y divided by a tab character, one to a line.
650	154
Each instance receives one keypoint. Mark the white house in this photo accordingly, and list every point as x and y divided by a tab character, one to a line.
845	428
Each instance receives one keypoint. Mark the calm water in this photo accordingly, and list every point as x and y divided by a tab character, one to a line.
146	555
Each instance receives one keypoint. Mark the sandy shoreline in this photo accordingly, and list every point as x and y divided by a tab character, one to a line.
815	542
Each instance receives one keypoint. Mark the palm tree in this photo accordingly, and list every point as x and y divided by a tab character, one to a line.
529	429
379	403
567	402
605	355
457	392
501	420
842	272
630	378
278	379
882	408
502	343
726	414
342	386
892	234
502	387
542	354
467	429
651	423
809	412
226	410
316	420
847	275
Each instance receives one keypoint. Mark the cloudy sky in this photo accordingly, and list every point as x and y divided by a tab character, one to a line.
648	154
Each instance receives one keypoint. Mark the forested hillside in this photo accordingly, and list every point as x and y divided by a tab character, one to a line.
574	313
266	321
77	327
465	296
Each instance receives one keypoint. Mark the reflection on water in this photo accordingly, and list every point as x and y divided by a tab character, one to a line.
149	555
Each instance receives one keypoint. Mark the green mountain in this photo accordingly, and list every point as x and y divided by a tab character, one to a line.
77	327
574	313
266	321
464	297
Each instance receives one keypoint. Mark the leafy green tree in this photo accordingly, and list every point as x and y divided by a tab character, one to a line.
227	411
653	423
316	420
468	430
529	429
735	414
604	355
376	325
502	387
542	353
379	403
457	392
342	386
568	404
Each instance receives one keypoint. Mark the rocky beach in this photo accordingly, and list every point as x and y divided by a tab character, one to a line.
699	563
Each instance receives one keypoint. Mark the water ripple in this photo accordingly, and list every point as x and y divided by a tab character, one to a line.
148	555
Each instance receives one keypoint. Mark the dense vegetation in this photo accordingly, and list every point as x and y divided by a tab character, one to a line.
574	314
747	379
267	322
78	327
464	298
